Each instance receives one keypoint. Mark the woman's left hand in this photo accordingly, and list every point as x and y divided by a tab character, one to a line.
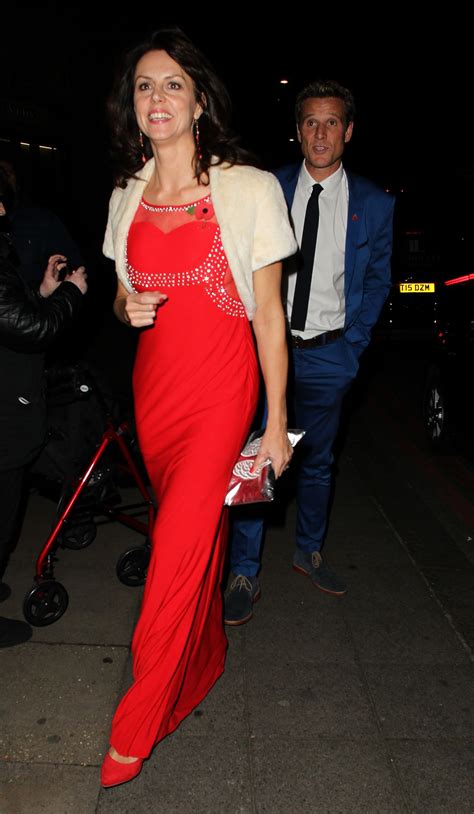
275	447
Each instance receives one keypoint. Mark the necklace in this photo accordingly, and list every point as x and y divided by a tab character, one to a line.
179	208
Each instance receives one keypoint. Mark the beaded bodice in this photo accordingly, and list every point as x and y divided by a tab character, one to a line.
179	246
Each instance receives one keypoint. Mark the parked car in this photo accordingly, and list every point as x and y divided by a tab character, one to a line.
431	245
448	402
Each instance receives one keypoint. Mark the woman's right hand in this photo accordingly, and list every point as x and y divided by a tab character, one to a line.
139	310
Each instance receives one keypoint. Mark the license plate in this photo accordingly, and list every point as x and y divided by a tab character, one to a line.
417	288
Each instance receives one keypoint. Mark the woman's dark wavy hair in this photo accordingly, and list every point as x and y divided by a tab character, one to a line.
216	137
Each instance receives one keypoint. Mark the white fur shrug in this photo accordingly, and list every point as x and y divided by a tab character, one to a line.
250	210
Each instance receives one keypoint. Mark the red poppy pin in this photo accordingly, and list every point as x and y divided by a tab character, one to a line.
355	217
204	210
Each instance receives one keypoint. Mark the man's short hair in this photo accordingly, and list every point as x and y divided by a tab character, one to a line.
323	89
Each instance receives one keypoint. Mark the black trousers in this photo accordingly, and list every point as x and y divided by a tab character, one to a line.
11	485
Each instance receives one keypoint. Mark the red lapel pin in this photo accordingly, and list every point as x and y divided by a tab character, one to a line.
355	217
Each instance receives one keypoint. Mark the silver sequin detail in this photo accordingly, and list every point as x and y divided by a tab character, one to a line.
181	208
211	273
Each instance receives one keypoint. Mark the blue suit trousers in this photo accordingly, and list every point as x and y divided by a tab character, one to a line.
322	377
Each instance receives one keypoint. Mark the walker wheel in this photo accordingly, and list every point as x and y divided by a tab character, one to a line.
78	536
132	566
45	603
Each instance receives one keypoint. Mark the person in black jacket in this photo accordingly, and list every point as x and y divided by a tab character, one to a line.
36	232
29	321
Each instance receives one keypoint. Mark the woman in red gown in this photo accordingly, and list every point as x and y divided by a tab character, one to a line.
196	243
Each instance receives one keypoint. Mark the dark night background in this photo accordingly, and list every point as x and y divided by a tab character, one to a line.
410	77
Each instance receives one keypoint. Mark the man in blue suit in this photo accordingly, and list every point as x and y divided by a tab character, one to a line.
336	289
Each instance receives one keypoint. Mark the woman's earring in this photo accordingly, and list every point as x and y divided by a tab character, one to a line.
196	138
142	146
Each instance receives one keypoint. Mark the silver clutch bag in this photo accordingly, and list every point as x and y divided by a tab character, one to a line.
246	486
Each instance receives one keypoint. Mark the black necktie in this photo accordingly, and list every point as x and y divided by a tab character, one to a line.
308	246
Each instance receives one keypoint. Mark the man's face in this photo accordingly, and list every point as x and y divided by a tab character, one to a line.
323	134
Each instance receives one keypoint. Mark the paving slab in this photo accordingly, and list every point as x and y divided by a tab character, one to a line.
307	698
423	701
386	587
403	635
360	549
294	621
48	789
323	775
360	536
57	702
393	618
437	775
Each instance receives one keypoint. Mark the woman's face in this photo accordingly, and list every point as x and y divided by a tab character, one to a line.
164	98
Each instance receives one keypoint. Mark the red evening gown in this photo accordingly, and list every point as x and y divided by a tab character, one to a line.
195	388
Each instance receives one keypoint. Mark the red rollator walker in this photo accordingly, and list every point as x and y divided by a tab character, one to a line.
74	526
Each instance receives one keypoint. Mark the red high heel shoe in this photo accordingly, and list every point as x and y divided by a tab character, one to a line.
114	773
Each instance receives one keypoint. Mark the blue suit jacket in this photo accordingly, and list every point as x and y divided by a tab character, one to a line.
368	251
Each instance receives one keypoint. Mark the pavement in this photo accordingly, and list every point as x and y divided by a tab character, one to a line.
361	704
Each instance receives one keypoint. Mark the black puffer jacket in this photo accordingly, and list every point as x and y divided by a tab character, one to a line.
28	324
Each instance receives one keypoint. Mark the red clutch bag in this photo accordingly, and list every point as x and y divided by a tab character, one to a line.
247	487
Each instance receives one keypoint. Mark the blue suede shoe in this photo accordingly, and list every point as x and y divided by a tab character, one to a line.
311	564
238	602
